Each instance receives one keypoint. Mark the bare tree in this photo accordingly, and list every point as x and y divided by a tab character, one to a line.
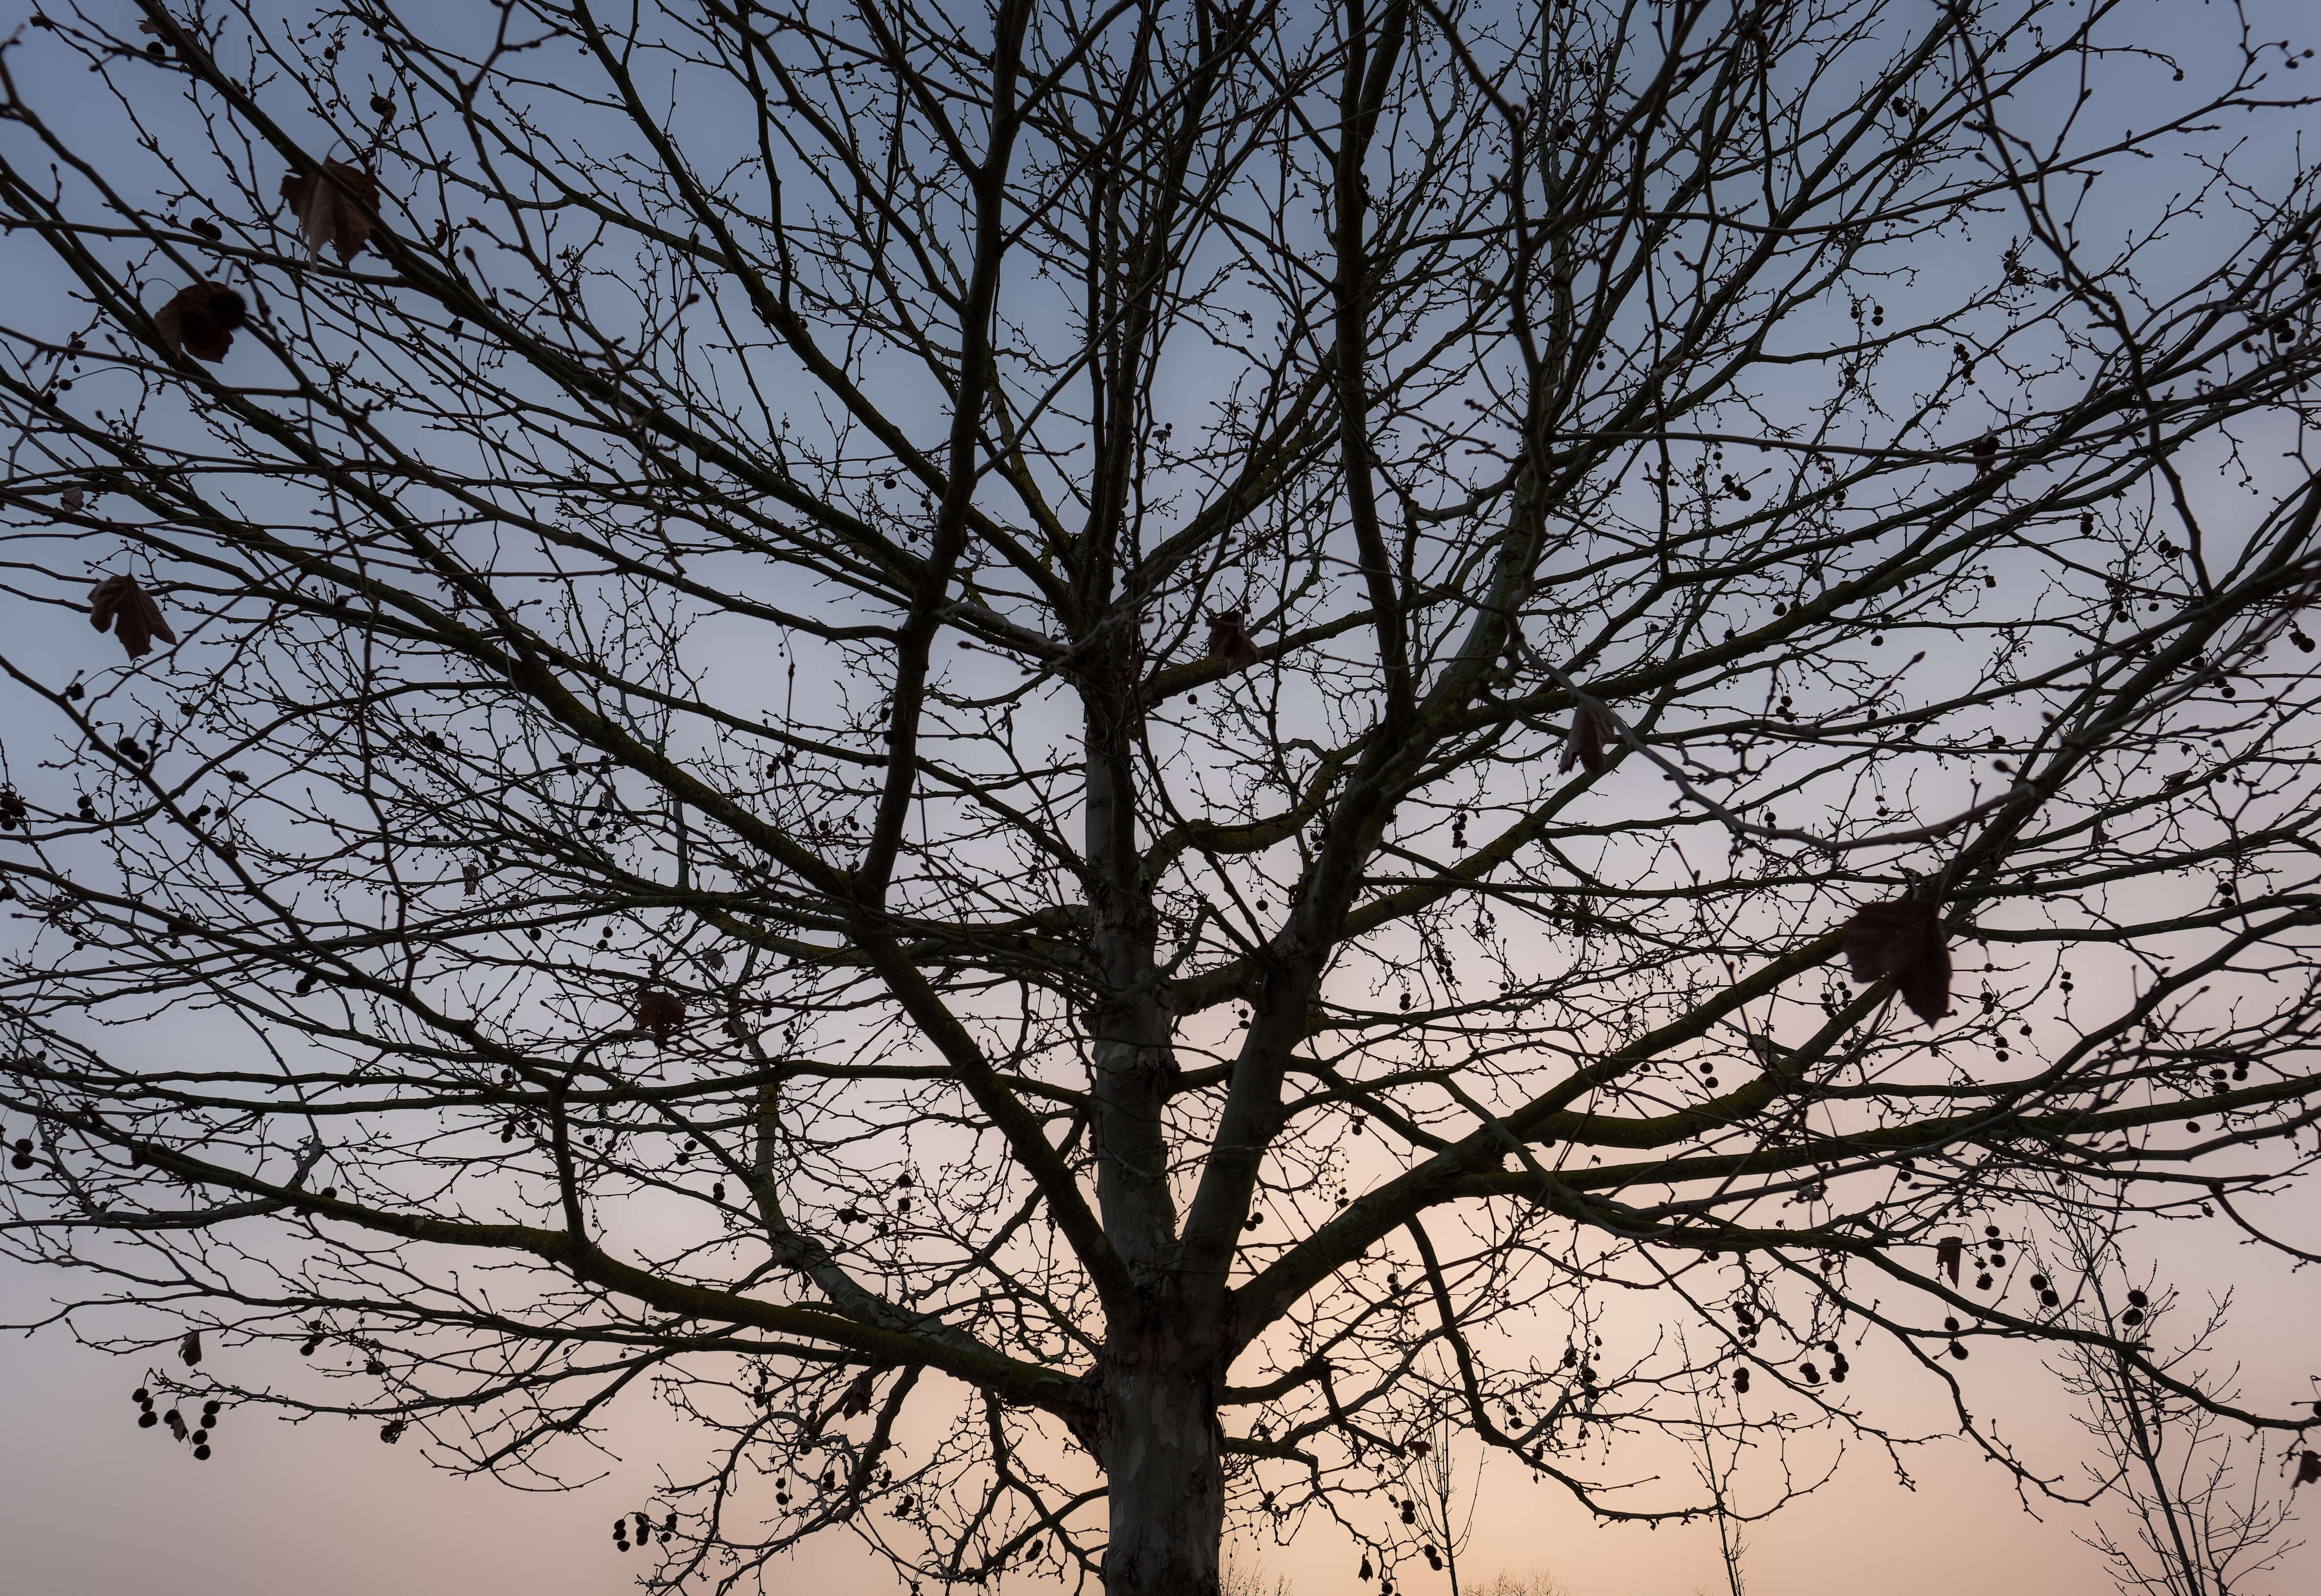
1015	748
1538	1582
2206	1515
1242	1575
1442	1504
1715	1447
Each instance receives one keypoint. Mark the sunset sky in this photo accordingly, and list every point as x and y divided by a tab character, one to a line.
90	1503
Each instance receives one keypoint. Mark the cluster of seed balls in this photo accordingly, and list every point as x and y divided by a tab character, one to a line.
147	1419
644	1530
1410	1515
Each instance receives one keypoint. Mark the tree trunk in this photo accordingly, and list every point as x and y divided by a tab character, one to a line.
1162	1453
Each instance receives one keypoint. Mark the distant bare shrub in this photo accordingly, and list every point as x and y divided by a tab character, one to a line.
1243	1575
1536	1582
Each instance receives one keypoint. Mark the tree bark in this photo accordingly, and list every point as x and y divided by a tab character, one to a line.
1163	1451
1156	1435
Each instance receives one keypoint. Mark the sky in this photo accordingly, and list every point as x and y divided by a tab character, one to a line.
91	1503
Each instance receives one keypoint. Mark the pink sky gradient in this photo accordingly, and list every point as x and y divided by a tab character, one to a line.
91	1504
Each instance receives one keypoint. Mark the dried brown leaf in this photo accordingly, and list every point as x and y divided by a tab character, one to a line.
1591	728
190	1349
1229	639
2309	1469
659	1013
857	1399
471	878
1950	1252
200	321
118	603
336	214
1902	942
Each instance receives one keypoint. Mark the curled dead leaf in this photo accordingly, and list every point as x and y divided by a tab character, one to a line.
857	1399
1902	942
1229	639
118	603
1591	728
200	321
190	1349
336	214
1948	1253
659	1013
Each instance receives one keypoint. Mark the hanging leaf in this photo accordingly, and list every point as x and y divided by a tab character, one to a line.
337	214
190	1349
1229	642
1591	728
73	499
1986	451
119	603
2309	1469
1948	1253
470	878
659	1013
200	321
1902	942
857	1399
